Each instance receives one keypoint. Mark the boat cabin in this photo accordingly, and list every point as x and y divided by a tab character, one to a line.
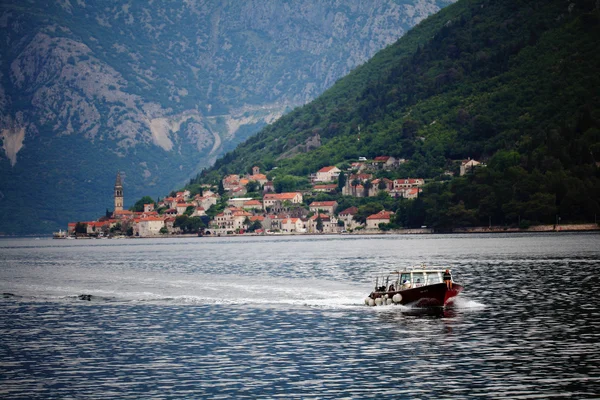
402	280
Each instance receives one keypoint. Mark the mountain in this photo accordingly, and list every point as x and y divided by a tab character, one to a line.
512	83
158	90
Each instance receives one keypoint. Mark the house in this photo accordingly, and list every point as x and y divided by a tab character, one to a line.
198	212
270	198
325	188
263	221
406	183
411	193
169	224
293	225
231	219
329	223
385	162
326	174
149	226
273	221
252	205
96	227
382	217
207	200
171	212
238	201
468	166
148	207
185	195
386	184
260	178
122	214
231	181
323	206
181	207
238	191
358	166
170	202
353	182
348	217
268	187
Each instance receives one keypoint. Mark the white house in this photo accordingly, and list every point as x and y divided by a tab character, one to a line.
324	206
327	174
329	224
293	225
468	165
374	220
150	226
271	198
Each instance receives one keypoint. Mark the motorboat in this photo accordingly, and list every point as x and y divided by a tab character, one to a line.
420	286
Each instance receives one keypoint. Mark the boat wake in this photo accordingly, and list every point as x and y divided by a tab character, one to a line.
212	290
464	303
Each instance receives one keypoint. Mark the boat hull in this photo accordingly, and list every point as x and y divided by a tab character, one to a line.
437	295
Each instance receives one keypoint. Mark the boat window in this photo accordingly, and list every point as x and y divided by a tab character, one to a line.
433	277
418	279
404	277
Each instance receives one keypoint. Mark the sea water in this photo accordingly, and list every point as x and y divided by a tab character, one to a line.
270	317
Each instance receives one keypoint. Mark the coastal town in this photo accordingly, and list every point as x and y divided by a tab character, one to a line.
249	205
271	213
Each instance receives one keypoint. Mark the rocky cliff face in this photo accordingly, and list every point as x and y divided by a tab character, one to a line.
160	89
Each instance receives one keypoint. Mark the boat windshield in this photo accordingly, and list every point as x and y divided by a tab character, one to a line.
418	279
433	278
405	279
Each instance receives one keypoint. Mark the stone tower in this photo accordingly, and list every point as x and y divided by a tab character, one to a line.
118	193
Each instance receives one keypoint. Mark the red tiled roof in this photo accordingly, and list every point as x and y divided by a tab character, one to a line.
280	196
123	212
323	204
381	215
349	211
152	219
330	186
326	169
258	177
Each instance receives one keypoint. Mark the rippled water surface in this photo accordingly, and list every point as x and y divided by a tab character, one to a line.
268	317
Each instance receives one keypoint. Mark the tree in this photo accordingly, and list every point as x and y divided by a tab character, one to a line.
139	205
254	226
319	223
80	227
189	210
367	185
355	183
365	210
341	181
116	227
188	224
252	186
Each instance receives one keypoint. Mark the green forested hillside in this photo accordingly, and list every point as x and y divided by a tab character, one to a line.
514	84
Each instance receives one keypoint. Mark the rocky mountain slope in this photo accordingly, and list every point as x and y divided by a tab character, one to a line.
160	89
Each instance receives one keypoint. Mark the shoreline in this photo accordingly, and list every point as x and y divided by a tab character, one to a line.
419	231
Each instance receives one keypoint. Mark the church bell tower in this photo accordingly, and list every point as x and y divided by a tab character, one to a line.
118	193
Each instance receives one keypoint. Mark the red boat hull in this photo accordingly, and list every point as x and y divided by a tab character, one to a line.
437	295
